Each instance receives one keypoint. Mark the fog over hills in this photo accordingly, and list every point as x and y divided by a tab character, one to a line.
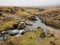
50	6
28	3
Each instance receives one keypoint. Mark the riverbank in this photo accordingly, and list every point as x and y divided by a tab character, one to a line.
29	26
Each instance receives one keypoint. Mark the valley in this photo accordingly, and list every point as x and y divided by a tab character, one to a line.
29	26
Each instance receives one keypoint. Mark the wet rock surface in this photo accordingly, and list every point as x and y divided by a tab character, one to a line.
22	27
19	29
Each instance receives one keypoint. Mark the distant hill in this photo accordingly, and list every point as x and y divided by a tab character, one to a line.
50	6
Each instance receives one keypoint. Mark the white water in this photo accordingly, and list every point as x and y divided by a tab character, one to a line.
39	23
34	26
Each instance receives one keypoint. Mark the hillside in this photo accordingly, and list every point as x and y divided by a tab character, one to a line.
8	14
35	37
51	17
22	18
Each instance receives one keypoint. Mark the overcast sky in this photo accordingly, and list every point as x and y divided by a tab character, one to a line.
28	2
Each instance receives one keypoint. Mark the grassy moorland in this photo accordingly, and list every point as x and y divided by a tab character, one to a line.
12	15
51	17
35	37
7	25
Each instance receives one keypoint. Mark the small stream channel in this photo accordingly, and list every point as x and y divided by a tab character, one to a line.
35	25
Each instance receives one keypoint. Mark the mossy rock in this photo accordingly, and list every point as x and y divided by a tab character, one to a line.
22	26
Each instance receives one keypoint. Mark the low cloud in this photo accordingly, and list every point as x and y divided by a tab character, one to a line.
28	2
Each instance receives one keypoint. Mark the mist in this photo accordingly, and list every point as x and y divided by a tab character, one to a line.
28	2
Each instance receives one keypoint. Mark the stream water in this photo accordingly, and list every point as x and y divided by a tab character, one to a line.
34	26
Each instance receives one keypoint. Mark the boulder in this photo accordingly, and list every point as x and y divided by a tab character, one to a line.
22	25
